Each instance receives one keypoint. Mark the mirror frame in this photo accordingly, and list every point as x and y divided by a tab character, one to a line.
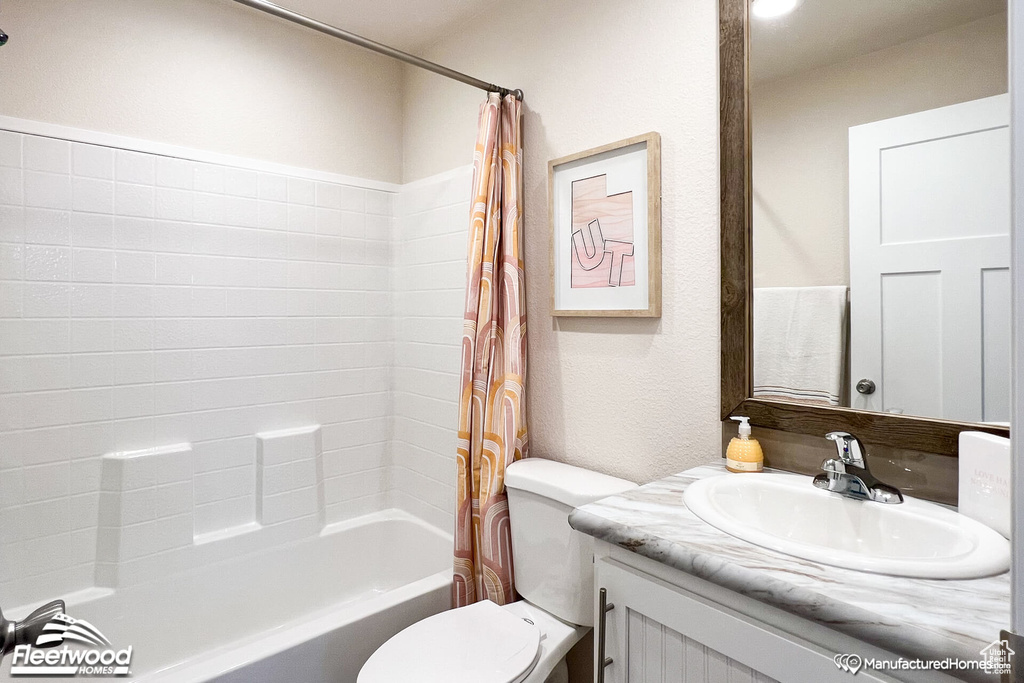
930	435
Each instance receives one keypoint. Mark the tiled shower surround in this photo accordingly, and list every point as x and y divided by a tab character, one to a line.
172	332
429	281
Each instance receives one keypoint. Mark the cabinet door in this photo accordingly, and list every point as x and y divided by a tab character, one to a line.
658	633
656	653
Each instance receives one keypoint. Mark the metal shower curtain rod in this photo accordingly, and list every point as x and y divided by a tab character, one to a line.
295	17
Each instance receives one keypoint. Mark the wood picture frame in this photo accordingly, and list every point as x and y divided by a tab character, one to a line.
578	199
930	435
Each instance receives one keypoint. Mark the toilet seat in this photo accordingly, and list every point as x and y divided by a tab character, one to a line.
480	643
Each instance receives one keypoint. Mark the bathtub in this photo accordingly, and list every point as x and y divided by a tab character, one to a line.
310	611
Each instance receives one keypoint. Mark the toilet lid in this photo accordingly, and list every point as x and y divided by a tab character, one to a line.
480	643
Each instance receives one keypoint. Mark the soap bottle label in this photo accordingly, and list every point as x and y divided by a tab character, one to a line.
740	466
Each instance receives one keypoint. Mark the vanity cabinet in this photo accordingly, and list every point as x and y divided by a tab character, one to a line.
667	625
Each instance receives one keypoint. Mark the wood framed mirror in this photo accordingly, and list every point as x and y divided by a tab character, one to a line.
904	431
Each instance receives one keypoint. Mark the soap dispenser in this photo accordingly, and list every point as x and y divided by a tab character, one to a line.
744	453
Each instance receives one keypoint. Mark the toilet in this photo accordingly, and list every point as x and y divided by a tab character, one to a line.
525	641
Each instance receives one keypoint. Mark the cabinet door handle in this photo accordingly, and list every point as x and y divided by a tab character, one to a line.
604	607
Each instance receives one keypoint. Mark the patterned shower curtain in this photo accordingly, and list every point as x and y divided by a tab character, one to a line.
492	396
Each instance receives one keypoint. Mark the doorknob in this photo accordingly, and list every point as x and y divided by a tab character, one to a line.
866	386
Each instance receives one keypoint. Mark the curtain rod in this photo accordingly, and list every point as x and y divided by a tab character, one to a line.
295	17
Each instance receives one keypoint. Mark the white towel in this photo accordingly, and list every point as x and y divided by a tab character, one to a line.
799	343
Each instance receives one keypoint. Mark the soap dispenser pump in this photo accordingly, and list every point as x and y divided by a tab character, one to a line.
744	453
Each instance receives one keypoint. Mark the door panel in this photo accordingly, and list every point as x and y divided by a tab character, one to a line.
925	197
912	341
996	315
929	217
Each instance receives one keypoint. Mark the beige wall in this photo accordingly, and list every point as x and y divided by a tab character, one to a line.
634	398
800	152
208	74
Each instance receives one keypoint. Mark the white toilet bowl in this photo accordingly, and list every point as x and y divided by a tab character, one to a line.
526	641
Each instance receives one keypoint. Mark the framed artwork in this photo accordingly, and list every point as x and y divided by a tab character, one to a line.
605	207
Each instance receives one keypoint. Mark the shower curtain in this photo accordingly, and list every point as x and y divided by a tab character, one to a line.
492	396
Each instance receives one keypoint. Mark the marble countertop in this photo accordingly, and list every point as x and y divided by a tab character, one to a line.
914	618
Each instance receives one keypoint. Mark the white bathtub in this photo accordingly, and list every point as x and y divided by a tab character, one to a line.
311	611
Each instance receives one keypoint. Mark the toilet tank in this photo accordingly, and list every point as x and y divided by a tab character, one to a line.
554	564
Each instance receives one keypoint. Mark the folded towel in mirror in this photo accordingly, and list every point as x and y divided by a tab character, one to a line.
800	343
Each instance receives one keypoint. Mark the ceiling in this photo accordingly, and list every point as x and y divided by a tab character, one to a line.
817	33
409	25
821	32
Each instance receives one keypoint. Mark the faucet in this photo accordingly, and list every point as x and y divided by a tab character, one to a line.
28	630
849	475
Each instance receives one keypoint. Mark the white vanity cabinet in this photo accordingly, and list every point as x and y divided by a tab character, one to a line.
667	625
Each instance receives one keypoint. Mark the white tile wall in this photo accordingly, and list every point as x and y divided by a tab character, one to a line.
148	300
429	291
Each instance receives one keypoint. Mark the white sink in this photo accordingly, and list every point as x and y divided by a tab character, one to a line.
785	512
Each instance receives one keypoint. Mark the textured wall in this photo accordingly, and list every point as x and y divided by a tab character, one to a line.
208	74
634	398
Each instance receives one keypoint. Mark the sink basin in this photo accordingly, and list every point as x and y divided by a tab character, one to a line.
785	512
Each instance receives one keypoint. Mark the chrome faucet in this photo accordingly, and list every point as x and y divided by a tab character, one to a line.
849	475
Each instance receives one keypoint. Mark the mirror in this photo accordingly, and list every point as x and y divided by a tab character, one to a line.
880	206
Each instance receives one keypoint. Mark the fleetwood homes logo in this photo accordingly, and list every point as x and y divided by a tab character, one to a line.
70	647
